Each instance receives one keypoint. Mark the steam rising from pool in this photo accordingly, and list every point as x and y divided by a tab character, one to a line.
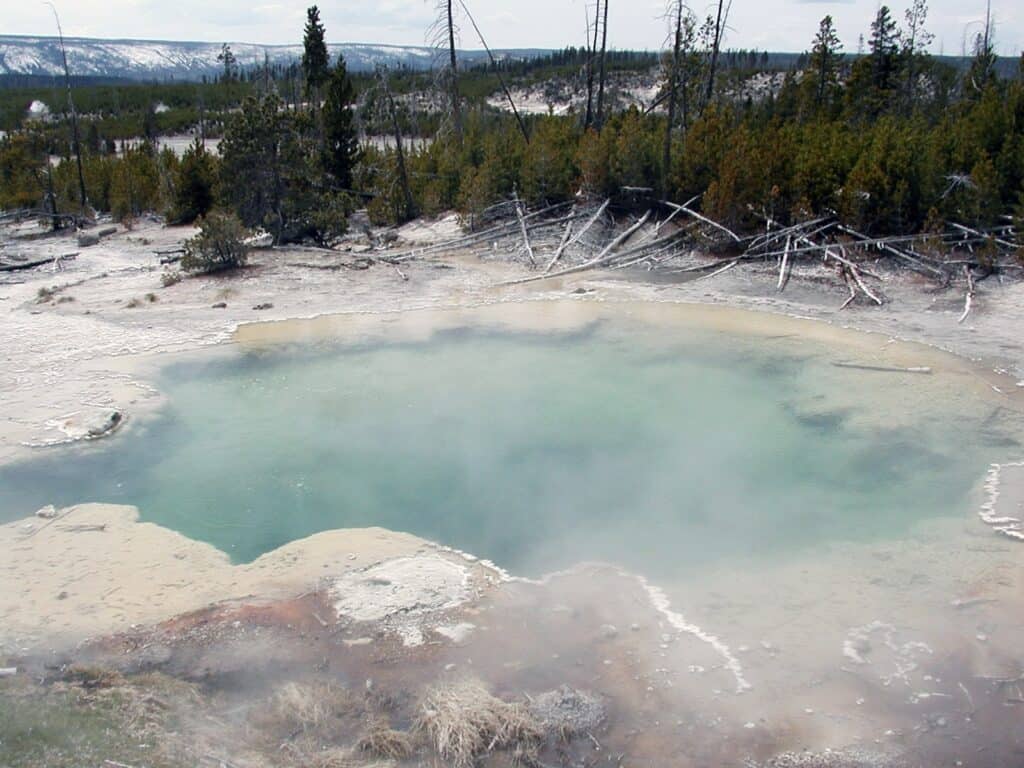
659	450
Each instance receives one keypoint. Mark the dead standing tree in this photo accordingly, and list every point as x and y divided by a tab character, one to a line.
592	30
599	117
501	80
442	34
717	31
409	204
76	144
677	14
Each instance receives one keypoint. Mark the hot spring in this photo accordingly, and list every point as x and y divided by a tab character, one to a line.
544	436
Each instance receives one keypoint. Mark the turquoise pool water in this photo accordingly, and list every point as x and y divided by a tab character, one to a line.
663	450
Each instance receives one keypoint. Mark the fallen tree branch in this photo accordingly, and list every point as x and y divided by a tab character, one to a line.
602	258
783	271
719	271
705	219
31	264
884	368
522	228
590	222
969	297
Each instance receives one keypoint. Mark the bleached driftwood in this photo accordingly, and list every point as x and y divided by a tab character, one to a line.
710	222
784	266
576	238
852	289
523	230
969	297
719	271
32	263
884	368
604	257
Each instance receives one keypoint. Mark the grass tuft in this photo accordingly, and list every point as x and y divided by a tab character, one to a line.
462	721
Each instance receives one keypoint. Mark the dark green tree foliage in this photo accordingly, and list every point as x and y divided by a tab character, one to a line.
884	50
315	61
227	60
272	175
982	71
252	162
194	184
916	40
22	160
341	140
824	63
219	245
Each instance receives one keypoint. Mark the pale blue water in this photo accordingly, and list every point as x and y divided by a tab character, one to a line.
660	450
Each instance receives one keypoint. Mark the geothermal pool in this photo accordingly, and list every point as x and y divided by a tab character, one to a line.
662	447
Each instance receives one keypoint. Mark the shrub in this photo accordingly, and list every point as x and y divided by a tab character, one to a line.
219	245
172	277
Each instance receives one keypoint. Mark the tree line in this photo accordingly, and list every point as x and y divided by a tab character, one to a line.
891	141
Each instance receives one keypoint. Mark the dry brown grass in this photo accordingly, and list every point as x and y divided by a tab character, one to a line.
337	757
463	720
381	740
300	708
93	678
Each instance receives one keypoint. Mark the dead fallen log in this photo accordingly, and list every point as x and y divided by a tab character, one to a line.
710	222
523	230
883	368
605	257
468	239
984	236
576	238
33	263
561	246
719	271
784	266
914	261
969	297
809	228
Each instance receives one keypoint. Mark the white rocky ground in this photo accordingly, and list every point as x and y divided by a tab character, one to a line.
848	661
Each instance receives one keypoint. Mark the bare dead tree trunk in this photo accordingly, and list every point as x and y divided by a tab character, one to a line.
600	83
716	45
75	143
51	197
673	86
504	87
403	176
591	55
452	63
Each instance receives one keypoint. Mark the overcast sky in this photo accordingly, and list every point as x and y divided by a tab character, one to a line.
778	25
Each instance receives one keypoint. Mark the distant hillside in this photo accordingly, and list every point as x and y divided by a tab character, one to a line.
167	60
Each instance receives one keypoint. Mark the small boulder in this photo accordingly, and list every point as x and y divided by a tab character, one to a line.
47	513
568	712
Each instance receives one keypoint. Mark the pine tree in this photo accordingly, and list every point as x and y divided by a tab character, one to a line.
341	142
315	61
228	61
884	50
825	60
193	184
915	48
982	71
